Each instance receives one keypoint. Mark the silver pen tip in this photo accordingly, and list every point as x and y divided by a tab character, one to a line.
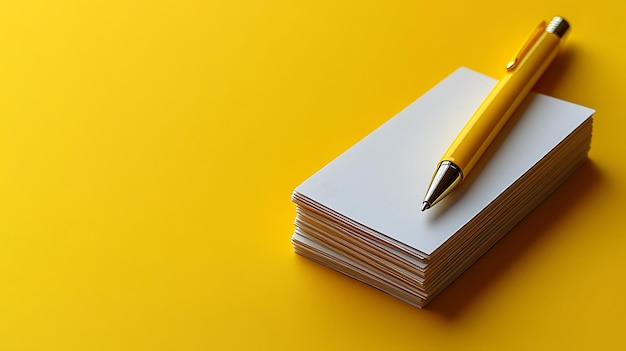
425	206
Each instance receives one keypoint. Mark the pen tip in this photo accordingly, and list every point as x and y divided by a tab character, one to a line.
425	206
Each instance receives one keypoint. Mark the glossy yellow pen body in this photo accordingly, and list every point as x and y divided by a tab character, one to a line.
485	124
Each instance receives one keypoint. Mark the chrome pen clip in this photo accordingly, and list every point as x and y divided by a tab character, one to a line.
532	39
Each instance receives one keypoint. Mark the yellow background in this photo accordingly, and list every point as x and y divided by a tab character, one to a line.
148	150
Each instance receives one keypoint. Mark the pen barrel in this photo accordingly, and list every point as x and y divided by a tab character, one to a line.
500	104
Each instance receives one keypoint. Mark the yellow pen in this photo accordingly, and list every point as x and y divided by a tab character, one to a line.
522	74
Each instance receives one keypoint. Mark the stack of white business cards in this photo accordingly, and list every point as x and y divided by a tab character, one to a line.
360	214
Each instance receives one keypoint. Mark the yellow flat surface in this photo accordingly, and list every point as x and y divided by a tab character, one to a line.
148	150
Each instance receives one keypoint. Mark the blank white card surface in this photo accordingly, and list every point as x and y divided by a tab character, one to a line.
380	181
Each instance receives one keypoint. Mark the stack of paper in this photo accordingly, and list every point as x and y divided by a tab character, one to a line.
360	214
